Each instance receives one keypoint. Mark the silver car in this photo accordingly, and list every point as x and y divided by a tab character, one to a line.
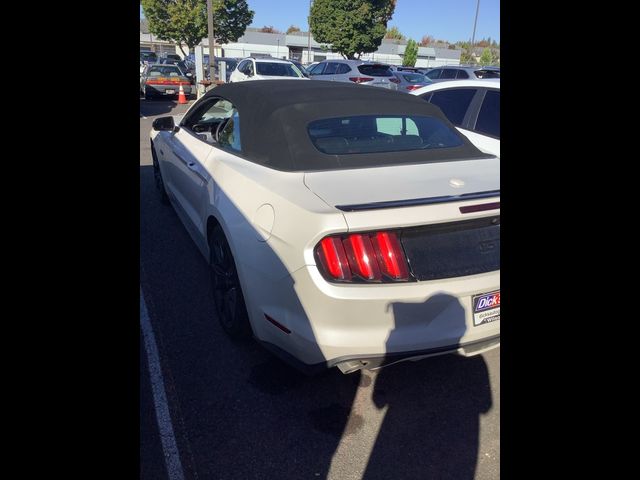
462	72
410	80
356	71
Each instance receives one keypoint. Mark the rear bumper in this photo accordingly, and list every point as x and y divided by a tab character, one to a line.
378	324
350	364
162	89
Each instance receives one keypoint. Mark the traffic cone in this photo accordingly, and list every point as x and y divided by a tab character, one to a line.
181	96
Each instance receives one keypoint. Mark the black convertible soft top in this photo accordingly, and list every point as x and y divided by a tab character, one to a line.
274	115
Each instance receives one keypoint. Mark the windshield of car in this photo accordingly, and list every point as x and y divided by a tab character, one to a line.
487	73
278	69
375	70
415	78
380	133
164	71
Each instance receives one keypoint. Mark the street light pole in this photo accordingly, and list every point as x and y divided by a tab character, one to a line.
473	37
309	34
212	76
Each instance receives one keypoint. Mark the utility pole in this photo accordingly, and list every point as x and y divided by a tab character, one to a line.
309	34
212	75
473	37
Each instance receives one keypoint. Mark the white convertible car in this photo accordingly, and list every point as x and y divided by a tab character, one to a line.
344	225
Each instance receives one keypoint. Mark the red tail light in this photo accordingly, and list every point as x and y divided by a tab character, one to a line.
361	79
414	87
394	80
334	259
369	257
390	255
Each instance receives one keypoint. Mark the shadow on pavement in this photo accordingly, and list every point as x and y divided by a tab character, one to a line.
153	107
431	426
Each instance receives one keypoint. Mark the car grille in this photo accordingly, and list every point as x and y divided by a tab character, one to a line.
453	249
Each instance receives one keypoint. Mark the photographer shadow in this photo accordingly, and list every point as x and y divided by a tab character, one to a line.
432	423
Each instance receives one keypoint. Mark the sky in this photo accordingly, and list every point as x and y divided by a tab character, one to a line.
450	20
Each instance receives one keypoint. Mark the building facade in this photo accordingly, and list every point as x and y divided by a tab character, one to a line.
299	46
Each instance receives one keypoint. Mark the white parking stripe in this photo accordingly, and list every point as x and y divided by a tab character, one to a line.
169	445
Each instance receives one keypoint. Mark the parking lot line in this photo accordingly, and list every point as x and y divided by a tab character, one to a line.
163	417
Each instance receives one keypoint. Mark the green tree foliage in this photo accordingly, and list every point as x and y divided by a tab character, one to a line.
486	57
352	27
184	22
292	29
410	54
394	33
466	57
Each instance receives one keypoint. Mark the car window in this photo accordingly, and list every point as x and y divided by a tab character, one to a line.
317	69
414	78
454	103
205	118
487	73
273	69
380	133
448	73
489	117
462	74
229	136
332	68
164	71
343	68
434	74
375	70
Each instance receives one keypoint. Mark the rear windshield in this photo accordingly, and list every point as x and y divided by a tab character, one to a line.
375	70
278	69
415	78
487	73
380	133
165	71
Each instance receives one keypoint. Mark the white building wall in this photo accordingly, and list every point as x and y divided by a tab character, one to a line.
247	49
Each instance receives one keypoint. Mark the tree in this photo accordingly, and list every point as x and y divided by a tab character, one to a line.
352	27
394	33
292	29
426	40
184	22
467	57
410	53
486	57
270	29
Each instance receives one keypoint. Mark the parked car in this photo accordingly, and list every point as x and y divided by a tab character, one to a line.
355	71
148	57
265	69
159	79
455	72
230	64
410	80
172	56
300	67
186	70
355	231
473	106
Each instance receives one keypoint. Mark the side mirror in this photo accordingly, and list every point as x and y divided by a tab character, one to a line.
163	123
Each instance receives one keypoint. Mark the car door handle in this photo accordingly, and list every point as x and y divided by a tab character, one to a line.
161	152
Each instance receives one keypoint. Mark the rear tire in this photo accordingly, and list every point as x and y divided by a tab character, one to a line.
227	291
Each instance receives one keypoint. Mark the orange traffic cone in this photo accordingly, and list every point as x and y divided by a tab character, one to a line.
181	96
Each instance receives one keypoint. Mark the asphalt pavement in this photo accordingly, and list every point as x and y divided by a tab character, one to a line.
236	412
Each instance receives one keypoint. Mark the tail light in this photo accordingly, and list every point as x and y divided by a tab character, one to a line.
361	79
414	87
167	81
394	80
374	257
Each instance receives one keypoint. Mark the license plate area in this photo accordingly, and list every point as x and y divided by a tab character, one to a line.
486	308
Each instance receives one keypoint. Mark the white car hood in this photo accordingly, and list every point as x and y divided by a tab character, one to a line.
405	182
